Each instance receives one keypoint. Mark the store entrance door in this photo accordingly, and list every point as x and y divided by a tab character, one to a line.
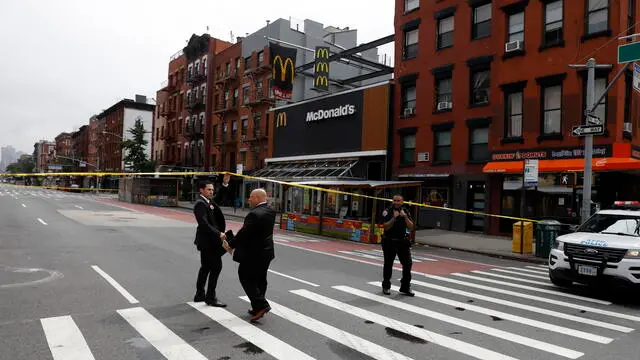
476	202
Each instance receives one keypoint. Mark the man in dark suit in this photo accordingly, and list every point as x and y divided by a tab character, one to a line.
252	247
210	237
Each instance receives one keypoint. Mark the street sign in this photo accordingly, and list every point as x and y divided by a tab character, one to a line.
636	76
628	52
593	120
531	172
584	130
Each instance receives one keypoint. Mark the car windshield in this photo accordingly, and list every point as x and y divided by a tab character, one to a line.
612	224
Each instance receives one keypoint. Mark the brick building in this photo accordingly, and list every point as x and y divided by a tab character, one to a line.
509	94
80	148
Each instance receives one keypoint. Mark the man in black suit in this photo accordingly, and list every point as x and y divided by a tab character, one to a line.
252	247
210	237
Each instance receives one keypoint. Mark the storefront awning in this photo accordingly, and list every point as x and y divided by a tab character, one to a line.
369	184
308	169
598	164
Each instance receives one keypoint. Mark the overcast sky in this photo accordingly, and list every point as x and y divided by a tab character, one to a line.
65	60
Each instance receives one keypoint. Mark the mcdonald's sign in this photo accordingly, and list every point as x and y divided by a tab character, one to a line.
321	74
281	120
283	65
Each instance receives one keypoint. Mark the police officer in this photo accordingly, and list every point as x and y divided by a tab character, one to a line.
395	241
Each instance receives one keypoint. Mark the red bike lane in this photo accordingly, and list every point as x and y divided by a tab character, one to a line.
423	262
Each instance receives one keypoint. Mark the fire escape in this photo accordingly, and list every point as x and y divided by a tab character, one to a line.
259	97
195	125
225	103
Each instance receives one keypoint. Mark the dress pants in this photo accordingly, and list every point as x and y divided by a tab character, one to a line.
401	248
253	278
210	266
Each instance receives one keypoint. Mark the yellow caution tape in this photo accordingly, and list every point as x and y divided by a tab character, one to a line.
310	187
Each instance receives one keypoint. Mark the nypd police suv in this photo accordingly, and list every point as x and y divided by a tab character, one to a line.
604	250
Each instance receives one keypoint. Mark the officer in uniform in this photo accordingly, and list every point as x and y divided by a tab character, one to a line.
395	241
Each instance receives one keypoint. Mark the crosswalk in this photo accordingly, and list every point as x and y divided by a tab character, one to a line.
499	313
44	193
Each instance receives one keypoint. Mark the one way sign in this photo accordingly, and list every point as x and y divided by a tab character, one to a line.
584	130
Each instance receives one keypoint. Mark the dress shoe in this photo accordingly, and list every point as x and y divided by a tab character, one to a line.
215	303
252	312
260	313
407	292
386	291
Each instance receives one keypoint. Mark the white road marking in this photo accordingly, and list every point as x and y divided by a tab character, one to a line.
532	288
294	278
42	221
513	278
522	274
505	335
161	337
65	339
450	343
115	284
265	341
357	343
23	205
79	207
536	309
531	271
515	318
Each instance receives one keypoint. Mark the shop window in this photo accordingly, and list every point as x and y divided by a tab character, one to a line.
481	22
442	151
445	32
479	144
408	151
553	23
436	196
552	109
597	20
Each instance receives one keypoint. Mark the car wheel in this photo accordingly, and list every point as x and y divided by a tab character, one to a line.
559	282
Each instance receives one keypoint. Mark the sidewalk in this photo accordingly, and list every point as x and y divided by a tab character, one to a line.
475	243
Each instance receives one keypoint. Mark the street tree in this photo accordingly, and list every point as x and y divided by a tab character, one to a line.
135	147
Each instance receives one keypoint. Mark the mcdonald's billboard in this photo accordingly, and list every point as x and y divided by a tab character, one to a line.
321	65
283	65
326	125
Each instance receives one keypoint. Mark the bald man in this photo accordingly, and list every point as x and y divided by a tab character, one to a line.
252	248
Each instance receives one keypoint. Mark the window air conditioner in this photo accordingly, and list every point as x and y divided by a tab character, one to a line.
423	156
514	46
627	127
444	105
409	111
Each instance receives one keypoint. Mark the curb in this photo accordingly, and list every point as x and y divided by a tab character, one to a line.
534	260
226	215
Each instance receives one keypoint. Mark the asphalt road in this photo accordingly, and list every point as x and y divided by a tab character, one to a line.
87	278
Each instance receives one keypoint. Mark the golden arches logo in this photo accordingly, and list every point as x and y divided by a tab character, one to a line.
281	120
322	66
322	80
322	53
283	67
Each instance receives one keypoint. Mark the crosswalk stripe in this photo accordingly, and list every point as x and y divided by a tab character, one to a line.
539	266
532	288
540	345
265	341
512	278
161	337
530	271
555	302
506	316
381	253
535	309
522	274
65	339
345	338
450	343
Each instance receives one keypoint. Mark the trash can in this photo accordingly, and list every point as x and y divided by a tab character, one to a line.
527	238
546	234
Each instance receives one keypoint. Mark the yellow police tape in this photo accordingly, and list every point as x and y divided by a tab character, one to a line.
203	173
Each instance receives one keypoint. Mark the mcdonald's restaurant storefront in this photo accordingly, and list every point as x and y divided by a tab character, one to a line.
340	142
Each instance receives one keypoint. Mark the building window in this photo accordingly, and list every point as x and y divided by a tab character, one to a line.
553	28
234	128
256	124
411	5
260	58
245	126
444	93
408	152
215	134
552	109
600	86
480	86
516	27
514	114
597	16
408	99
247	63
479	144
631	18
481	21
235	97
245	94
411	43
445	32
238	64
628	95
442	151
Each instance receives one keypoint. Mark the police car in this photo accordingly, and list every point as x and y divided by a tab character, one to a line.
603	250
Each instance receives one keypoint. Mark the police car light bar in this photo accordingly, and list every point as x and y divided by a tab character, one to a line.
627	204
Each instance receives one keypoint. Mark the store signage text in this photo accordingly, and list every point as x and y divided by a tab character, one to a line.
331	113
549	154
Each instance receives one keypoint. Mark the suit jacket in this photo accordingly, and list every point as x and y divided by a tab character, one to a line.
211	223
254	241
